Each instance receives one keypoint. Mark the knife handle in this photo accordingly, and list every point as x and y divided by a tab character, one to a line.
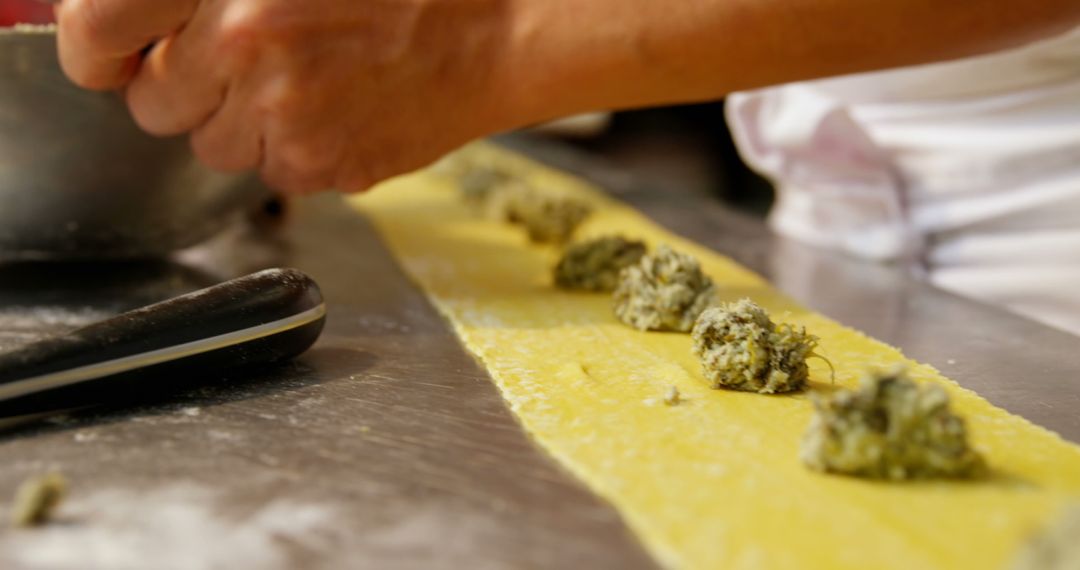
259	319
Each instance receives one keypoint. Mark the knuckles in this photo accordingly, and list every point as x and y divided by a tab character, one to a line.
286	97
291	182
86	22
355	181
209	152
249	29
85	27
298	166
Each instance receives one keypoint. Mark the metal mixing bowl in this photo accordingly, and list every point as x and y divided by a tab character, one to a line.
78	179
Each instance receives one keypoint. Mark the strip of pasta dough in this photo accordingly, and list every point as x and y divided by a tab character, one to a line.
714	482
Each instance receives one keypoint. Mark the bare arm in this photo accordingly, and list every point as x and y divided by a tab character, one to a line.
344	93
582	55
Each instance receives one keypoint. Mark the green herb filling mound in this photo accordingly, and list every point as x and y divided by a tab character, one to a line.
889	428
742	349
594	265
665	291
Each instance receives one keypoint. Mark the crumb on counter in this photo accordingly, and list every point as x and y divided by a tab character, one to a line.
37	499
672	397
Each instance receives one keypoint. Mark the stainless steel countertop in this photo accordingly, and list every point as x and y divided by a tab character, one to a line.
386	445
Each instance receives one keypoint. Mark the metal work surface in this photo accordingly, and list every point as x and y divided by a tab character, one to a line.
386	446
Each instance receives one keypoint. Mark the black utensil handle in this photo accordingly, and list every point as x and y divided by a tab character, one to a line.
261	318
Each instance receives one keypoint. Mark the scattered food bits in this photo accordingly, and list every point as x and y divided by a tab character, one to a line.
37	499
664	291
889	428
595	265
742	349
1056	547
672	396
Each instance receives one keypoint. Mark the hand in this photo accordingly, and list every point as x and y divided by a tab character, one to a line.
316	94
344	93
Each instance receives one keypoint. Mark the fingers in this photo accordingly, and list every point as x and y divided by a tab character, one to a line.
291	164
230	140
179	84
355	175
100	40
303	143
259	83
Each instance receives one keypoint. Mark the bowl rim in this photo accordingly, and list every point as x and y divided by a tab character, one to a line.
28	29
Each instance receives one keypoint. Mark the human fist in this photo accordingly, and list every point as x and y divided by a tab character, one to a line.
316	94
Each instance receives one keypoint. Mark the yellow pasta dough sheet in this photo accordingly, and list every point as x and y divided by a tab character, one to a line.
714	482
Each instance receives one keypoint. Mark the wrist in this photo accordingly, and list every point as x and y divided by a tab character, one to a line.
563	57
552	64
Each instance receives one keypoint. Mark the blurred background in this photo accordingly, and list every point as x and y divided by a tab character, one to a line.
688	146
24	12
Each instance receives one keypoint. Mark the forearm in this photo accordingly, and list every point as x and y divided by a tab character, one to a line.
568	56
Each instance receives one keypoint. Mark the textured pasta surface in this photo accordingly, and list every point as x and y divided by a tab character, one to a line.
715	481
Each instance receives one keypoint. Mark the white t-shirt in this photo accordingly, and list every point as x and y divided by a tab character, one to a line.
969	170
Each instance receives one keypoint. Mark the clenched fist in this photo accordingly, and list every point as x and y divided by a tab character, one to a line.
315	94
